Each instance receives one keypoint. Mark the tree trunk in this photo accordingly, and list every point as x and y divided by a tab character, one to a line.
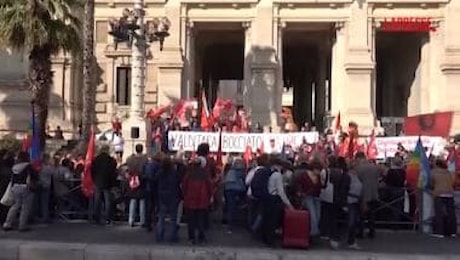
40	81
89	76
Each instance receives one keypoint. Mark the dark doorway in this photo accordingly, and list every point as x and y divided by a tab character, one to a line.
398	57
306	71
219	56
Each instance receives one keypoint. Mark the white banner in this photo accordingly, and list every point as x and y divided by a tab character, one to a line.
237	142
273	142
388	146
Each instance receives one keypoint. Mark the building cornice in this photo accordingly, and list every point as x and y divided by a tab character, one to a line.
233	2
313	1
110	52
408	2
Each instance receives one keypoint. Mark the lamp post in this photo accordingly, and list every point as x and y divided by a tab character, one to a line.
131	28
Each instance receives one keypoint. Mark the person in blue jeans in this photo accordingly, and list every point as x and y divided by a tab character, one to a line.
168	181
234	188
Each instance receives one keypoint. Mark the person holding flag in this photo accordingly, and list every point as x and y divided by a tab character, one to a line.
25	181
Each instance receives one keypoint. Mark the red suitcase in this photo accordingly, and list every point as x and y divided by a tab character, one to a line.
296	228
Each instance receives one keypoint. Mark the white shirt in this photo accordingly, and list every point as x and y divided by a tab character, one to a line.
118	143
276	187
249	178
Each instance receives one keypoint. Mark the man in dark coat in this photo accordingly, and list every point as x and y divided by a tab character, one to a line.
104	174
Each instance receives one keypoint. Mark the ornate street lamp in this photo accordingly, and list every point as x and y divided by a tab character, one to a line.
124	29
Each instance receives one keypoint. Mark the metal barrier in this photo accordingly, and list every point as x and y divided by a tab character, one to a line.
391	207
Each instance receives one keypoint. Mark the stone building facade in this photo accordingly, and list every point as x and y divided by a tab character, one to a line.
346	77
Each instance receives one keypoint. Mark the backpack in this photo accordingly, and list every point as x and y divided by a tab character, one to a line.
259	184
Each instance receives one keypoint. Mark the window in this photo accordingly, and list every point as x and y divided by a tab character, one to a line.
123	86
101	32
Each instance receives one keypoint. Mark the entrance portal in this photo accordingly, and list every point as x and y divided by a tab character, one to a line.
306	71
219	59
398	80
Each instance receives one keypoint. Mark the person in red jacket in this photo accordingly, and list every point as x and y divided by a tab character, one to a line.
197	190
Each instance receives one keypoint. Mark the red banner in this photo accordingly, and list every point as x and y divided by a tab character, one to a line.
434	124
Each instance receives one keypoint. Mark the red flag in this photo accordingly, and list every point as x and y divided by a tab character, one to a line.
26	143
338	124
344	147
180	109
247	156
261	149
156	113
206	122
221	105
157	135
372	147
434	124
87	185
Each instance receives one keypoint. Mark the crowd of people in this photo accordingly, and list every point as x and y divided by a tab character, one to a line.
160	191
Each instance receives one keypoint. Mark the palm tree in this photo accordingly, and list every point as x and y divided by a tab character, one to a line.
89	75
40	29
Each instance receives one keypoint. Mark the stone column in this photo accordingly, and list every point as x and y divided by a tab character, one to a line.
359	67
138	65
265	97
320	89
190	60
137	111
438	92
338	71
171	63
450	64
247	93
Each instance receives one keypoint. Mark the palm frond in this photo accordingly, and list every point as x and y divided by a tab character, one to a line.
66	38
27	24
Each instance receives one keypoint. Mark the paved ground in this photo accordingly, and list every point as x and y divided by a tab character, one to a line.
386	242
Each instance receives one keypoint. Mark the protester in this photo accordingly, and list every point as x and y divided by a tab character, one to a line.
104	175
354	199
46	176
24	183
273	198
333	190
445	223
136	164
149	182
369	175
197	189
395	181
336	185
168	199
6	164
310	189
234	190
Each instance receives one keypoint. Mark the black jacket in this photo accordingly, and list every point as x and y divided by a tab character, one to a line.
104	171
341	181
